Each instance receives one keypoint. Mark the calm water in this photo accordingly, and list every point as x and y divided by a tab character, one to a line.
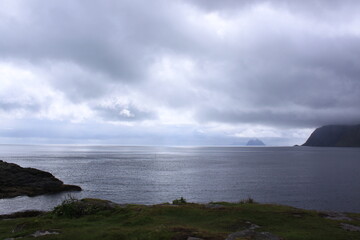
312	178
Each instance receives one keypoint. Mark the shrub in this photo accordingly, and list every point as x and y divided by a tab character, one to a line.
179	201
248	200
74	208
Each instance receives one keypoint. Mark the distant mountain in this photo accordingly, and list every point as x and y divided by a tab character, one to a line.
255	142
335	136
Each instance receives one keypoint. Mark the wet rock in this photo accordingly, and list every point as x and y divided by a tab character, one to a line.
16	181
194	238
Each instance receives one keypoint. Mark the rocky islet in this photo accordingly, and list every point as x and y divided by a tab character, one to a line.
17	181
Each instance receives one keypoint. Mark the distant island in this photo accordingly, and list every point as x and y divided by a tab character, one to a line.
17	181
255	142
335	136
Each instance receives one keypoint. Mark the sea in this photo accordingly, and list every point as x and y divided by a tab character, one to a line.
305	177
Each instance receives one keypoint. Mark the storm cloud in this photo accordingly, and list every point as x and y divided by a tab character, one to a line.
216	69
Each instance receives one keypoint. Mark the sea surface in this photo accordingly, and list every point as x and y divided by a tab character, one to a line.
305	177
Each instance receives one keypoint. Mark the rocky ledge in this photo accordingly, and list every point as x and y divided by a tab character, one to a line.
17	181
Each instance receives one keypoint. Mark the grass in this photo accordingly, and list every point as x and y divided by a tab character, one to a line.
167	221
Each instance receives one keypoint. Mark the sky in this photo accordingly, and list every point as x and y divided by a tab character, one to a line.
180	72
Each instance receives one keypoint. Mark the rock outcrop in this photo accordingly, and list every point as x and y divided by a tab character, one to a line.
255	142
17	181
335	136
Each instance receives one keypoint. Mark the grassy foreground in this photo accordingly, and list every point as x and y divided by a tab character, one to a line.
98	219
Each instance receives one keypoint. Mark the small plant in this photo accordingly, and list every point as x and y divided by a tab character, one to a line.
75	208
248	200
180	201
70	207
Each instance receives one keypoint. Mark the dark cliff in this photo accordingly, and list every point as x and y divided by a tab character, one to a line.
17	181
335	136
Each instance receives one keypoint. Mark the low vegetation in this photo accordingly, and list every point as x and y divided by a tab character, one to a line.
99	219
74	208
179	201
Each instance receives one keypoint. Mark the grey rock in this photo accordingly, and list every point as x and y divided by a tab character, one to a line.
42	233
244	233
194	238
254	226
350	227
251	234
336	216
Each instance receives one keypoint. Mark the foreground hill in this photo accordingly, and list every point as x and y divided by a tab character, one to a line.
335	136
98	219
17	181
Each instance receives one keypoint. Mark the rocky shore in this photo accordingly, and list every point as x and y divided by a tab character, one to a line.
17	181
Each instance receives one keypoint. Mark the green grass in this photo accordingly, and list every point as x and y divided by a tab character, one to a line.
177	222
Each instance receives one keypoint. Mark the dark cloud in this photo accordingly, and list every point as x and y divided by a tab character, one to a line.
71	32
289	119
117	38
78	84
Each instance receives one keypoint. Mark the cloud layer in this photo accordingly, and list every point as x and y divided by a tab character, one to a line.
225	69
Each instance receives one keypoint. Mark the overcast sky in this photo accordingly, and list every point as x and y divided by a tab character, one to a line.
180	72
